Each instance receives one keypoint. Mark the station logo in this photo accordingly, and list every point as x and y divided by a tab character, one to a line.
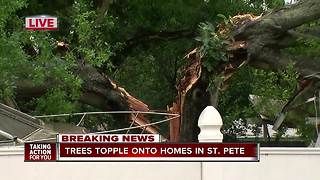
41	22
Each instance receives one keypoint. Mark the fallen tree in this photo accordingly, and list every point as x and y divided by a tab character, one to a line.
97	90
251	40
255	41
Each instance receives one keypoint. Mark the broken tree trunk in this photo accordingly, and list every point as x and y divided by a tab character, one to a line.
256	41
192	98
99	91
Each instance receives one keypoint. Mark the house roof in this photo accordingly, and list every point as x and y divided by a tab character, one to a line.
16	125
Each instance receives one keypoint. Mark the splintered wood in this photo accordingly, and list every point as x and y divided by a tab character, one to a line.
136	105
236	53
234	23
192	73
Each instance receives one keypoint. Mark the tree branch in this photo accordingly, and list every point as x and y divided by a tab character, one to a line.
281	20
97	90
313	31
147	36
277	61
103	9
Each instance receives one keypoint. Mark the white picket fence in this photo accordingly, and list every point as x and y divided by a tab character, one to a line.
275	163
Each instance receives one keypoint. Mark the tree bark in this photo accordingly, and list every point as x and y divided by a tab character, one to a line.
257	42
99	91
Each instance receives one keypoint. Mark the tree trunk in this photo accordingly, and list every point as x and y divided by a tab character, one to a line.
99	91
256	41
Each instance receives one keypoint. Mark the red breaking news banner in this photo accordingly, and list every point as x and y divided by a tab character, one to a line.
157	152
107	138
133	147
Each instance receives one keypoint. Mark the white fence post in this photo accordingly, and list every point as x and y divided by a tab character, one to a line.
210	123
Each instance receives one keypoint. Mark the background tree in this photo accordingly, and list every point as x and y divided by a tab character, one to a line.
141	45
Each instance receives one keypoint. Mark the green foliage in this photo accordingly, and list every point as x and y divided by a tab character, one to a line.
306	47
131	44
151	69
145	79
212	46
11	57
307	131
91	42
275	85
234	103
54	102
274	3
7	9
29	55
267	5
267	85
272	88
